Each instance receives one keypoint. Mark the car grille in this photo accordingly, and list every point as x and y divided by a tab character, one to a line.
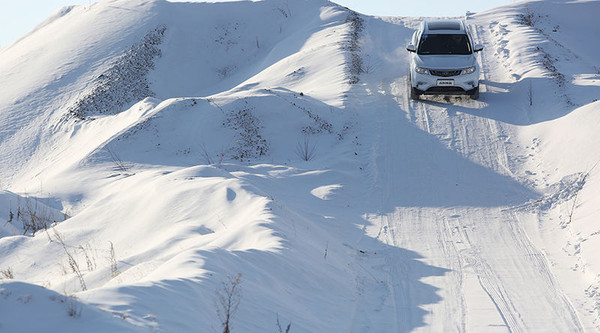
443	90
445	73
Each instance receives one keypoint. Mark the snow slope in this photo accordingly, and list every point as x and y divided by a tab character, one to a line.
164	148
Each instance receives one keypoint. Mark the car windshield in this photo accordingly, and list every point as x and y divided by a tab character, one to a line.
444	44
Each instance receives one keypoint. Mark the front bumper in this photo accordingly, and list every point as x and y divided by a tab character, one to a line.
431	84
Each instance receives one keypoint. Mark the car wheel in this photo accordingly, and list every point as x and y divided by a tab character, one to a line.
414	95
475	94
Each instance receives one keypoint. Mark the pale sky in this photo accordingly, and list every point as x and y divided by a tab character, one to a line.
20	16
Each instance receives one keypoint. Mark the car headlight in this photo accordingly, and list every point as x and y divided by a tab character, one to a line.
469	70
421	70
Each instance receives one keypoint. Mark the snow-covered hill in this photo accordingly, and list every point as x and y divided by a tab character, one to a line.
153	152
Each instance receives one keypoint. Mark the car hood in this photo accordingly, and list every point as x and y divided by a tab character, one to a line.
445	61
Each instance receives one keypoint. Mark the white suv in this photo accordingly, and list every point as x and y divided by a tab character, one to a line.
442	60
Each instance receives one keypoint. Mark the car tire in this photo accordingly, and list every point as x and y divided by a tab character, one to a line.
475	94
414	94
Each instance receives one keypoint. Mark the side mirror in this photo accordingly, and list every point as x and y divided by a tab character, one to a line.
411	48
478	47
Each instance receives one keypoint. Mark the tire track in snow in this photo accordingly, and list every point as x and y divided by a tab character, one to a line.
399	272
494	284
488	282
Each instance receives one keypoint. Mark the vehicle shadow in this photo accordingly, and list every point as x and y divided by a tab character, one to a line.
526	102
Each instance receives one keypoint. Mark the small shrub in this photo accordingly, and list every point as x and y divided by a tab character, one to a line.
250	142
367	65
227	70
528	18
7	274
33	216
227	35
72	305
208	159
114	270
229	298
305	150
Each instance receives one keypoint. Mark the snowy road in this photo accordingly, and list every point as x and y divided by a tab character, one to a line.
446	186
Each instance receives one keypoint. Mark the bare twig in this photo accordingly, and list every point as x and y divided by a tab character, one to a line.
72	262
530	94
206	155
287	329
212	101
90	262
119	164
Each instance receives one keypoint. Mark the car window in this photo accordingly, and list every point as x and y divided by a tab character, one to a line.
444	44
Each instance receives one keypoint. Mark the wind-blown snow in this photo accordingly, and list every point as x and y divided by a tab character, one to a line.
163	148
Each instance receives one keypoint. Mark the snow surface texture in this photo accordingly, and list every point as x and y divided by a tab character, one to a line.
152	151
